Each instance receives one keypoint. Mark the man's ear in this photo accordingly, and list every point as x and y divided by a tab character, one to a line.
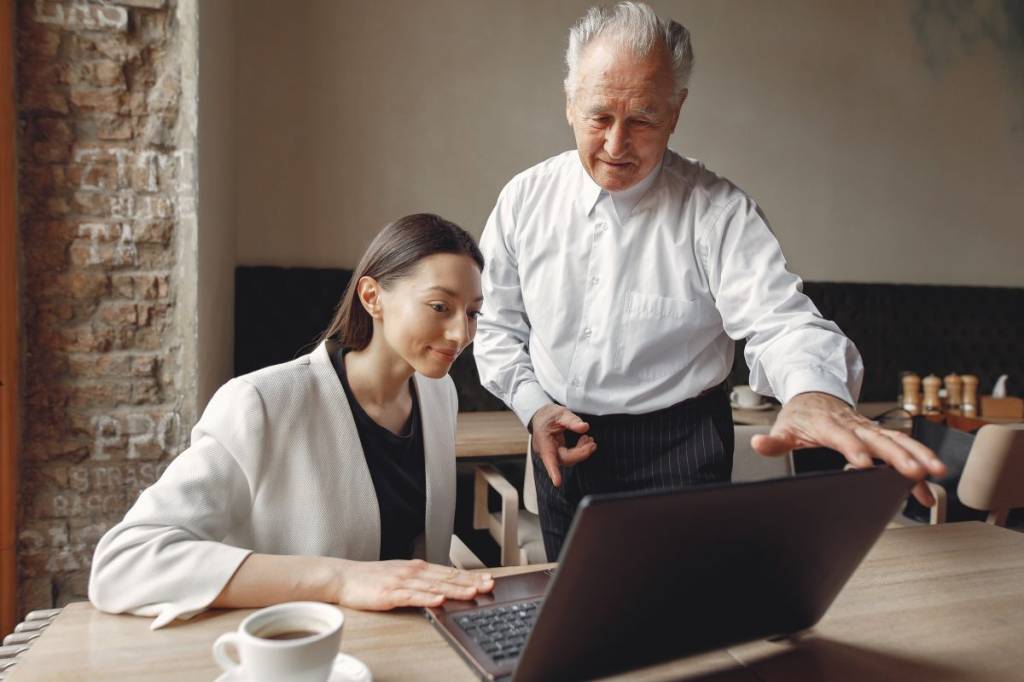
368	292
678	108
568	111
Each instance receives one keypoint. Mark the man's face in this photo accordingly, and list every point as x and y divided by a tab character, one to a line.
623	112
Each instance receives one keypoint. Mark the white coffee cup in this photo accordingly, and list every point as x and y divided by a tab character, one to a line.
744	396
307	638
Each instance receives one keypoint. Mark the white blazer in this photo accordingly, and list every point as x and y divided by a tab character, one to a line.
275	466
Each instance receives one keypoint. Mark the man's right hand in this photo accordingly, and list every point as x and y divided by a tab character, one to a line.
549	425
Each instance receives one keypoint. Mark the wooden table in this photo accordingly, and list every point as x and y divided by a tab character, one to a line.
894	420
488	434
767	417
930	602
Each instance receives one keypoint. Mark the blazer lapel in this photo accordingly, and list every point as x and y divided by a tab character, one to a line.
357	495
439	462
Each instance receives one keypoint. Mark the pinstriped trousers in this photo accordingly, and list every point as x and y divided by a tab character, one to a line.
686	444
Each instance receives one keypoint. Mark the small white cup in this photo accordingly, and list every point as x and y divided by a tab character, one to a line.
744	396
301	659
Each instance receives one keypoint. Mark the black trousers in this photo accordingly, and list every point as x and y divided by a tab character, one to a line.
686	444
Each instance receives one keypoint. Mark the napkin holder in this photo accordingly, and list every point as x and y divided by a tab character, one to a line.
1002	408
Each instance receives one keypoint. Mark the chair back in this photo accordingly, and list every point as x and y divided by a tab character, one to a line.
993	478
749	465
529	486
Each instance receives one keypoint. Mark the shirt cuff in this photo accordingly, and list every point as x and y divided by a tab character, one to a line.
805	380
529	398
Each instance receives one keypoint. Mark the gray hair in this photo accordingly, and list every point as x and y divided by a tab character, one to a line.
635	26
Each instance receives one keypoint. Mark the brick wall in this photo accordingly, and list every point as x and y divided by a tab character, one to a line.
106	198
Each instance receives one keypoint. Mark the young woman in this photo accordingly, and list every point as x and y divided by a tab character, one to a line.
321	478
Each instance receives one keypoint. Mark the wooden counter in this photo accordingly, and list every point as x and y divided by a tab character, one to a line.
930	602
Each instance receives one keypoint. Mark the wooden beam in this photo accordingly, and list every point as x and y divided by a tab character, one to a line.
9	356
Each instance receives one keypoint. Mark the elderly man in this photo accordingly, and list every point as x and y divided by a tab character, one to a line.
618	276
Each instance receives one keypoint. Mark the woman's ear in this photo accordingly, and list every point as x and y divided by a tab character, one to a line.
368	293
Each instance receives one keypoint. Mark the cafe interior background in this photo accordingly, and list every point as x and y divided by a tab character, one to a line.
152	147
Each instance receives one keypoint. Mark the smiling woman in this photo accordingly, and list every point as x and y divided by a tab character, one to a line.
411	304
391	256
326	478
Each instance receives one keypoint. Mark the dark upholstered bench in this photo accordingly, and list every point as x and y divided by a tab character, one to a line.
279	312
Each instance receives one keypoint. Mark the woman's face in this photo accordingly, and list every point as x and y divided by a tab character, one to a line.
429	316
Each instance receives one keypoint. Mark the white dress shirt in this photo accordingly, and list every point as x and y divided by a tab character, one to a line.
609	315
275	466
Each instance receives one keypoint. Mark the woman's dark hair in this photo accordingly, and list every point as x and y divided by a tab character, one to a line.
393	254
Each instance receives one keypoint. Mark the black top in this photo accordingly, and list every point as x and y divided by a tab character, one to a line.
397	470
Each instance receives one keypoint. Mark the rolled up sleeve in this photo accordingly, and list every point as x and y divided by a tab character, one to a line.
790	347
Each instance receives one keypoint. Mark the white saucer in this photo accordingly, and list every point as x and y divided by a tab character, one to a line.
346	669
755	408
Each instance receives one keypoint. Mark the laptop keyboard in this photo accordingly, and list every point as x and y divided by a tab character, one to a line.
501	630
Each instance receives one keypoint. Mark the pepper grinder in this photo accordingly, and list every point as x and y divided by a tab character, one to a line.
932	404
954	391
912	393
969	406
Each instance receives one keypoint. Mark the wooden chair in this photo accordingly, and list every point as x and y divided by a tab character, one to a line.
517	531
461	556
993	478
26	632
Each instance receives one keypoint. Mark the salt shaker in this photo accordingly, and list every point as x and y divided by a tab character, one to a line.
932	404
912	393
954	392
969	406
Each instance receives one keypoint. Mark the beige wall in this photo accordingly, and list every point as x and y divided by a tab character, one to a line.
884	141
216	211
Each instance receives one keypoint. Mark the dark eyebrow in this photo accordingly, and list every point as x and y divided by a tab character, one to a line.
452	293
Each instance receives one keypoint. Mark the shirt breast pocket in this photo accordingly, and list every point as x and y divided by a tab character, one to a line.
657	334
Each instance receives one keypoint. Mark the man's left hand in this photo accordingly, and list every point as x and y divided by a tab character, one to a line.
812	420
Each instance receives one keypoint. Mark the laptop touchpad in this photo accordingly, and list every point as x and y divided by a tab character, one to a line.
507	589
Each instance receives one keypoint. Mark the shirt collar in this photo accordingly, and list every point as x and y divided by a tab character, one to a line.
627	199
592	192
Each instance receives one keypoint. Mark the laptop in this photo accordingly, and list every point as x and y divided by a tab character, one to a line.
647	577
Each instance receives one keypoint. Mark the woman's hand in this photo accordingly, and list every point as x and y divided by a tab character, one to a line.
264	579
383	585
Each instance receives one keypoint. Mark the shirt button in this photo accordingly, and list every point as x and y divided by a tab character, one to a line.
601	227
576	383
595	280
587	332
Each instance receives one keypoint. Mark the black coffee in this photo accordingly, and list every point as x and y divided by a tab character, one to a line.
290	634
